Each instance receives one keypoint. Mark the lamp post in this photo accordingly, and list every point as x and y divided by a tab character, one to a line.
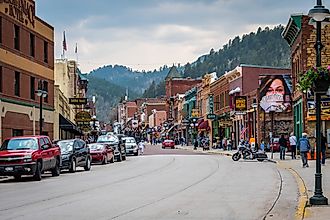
319	14
254	106
42	93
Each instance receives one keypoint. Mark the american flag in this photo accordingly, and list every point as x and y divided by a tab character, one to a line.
64	41
243	130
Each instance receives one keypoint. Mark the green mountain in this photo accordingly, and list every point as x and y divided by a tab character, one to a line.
125	77
265	47
107	96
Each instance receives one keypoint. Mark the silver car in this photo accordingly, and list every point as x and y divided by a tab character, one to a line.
131	146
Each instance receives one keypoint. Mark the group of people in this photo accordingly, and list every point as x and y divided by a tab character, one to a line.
303	145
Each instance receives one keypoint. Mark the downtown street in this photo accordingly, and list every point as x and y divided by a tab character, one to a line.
162	184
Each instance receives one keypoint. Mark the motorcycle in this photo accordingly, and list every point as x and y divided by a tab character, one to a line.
245	152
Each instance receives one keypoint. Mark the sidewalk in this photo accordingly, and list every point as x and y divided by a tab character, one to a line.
305	178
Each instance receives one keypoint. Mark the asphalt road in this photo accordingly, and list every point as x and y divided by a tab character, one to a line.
158	185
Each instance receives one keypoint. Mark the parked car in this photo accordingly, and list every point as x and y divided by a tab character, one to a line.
131	146
118	146
168	143
101	153
75	153
29	155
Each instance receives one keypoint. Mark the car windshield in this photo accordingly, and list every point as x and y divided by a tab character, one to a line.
96	147
130	140
66	146
20	144
107	139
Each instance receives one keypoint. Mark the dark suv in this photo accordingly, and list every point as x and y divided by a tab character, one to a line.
116	143
75	153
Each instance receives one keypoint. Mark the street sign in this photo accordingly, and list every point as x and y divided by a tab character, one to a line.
211	116
211	104
78	101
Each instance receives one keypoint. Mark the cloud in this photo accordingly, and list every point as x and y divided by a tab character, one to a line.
147	34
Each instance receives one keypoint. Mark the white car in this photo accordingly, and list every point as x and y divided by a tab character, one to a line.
131	146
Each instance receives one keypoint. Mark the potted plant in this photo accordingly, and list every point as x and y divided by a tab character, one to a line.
315	78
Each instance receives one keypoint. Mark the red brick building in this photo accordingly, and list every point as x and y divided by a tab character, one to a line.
26	58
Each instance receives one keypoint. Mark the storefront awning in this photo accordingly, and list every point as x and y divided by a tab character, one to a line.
204	125
233	91
67	125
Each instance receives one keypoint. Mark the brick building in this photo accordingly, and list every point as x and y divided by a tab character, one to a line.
26	58
301	37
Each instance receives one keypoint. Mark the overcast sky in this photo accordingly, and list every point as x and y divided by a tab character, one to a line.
146	34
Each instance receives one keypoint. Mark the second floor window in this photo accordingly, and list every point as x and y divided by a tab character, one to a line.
1	78
16	37
45	51
0	30
32	87
17	83
45	87
32	45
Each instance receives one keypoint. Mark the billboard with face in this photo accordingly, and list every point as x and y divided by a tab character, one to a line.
275	92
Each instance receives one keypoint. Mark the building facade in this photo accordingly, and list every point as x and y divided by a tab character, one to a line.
26	61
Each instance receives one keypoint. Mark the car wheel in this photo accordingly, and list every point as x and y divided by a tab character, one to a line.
163	147
17	177
73	166
87	166
56	170
136	154
104	161
119	158
172	147
37	173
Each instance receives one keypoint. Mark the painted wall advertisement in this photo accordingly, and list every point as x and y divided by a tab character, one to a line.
275	93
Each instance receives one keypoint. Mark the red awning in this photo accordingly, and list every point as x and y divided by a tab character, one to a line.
204	125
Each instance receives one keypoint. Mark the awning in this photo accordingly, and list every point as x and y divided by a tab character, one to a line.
204	125
233	91
67	125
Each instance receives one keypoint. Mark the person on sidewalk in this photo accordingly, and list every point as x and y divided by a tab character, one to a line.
293	145
304	147
141	147
283	145
323	148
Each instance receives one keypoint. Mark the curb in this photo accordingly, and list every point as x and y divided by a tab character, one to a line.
303	196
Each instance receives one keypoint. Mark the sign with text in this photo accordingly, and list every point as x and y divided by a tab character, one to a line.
195	113
240	103
211	116
78	101
22	11
211	104
83	116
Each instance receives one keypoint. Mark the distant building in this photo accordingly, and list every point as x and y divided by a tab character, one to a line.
26	58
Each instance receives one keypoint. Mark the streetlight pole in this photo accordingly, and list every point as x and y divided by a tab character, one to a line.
318	13
42	93
272	133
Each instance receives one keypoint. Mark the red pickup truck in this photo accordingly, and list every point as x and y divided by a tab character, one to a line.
29	155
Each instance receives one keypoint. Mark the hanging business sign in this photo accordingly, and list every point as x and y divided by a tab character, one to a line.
211	104
240	103
195	113
78	101
83	116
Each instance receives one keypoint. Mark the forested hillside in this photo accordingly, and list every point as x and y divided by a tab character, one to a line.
107	96
265	47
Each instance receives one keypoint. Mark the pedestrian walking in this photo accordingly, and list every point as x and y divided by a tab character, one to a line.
304	147
283	145
323	148
141	147
262	146
293	145
229	145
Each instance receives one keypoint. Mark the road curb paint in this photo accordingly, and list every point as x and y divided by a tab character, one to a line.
303	195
